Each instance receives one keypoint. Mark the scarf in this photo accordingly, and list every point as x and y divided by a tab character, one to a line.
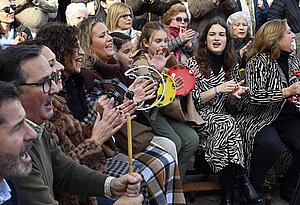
174	32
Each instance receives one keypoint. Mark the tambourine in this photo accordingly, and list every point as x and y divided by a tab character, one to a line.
97	90
170	91
148	73
295	99
188	76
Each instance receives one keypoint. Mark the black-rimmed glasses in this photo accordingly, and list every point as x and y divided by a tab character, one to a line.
124	16
47	83
179	19
7	8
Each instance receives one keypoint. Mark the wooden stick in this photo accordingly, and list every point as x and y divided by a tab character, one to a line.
129	137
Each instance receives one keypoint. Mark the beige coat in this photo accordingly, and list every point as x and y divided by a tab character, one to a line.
34	14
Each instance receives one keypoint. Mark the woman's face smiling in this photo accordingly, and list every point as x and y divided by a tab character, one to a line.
73	60
102	43
216	39
286	41
54	64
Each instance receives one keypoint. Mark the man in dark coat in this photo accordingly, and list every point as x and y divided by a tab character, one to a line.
286	9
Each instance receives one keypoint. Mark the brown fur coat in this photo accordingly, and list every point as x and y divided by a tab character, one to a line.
75	141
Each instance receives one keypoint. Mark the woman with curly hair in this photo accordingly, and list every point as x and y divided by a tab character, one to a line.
68	52
215	95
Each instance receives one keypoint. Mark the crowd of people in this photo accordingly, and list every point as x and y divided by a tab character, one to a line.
63	132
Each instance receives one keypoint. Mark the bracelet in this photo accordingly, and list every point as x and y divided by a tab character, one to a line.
283	93
216	91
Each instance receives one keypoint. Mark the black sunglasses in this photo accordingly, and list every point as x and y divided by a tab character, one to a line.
124	16
7	8
185	20
47	83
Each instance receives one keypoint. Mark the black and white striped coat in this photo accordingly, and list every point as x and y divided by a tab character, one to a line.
262	103
220	135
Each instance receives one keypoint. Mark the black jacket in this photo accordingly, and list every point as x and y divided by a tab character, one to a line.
286	9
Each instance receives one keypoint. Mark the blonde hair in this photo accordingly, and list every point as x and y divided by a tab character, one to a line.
114	13
267	38
173	11
85	37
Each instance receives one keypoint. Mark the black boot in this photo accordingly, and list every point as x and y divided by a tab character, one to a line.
248	192
227	198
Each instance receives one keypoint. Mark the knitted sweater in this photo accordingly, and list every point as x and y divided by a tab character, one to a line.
51	168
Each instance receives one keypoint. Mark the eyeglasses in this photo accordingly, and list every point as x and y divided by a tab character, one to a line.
124	16
179	19
7	8
47	83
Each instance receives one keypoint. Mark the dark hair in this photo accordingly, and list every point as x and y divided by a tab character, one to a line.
60	38
202	56
7	92
119	39
169	4
10	59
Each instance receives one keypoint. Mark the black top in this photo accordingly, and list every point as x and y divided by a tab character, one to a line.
74	93
289	110
216	62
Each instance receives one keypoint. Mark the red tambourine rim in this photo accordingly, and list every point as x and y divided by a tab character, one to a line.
189	80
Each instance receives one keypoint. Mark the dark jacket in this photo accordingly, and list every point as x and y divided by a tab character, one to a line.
19	28
286	9
202	11
142	10
14	200
74	93
260	15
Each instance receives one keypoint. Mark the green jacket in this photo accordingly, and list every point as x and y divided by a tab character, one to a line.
51	168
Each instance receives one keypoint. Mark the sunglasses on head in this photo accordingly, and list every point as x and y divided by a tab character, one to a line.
7	8
179	19
124	16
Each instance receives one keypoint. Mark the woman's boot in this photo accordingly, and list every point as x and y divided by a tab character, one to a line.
225	178
247	191
227	198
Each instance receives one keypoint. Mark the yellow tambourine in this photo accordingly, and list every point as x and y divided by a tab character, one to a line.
170	91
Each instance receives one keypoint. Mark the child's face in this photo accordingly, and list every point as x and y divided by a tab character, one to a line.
157	42
125	54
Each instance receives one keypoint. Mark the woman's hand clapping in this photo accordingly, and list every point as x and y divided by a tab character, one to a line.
159	59
143	89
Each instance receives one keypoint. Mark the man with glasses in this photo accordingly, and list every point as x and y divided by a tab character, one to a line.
12	31
51	167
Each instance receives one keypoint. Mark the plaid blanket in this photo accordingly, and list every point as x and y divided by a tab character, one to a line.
116	168
160	173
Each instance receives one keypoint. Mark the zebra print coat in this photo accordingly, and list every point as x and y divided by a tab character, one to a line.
220	134
263	101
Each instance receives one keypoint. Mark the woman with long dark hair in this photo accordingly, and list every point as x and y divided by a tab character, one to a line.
214	94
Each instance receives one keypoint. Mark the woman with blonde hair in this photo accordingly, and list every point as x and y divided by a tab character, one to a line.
268	120
119	19
158	167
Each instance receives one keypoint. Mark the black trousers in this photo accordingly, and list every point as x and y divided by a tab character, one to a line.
267	150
